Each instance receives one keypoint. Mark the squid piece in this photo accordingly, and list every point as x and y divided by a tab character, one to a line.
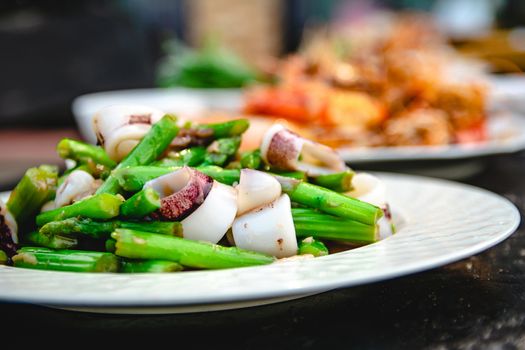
285	150
206	208
78	185
181	191
371	189
255	189
8	231
268	229
119	128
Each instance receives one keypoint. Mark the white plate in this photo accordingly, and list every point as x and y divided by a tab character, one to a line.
506	135
439	222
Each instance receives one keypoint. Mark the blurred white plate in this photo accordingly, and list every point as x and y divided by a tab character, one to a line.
185	102
506	135
507	92
439	222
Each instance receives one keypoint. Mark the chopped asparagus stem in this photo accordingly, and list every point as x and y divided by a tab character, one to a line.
66	260
221	150
3	258
227	129
152	145
51	241
101	206
145	245
102	229
311	246
110	245
251	159
141	204
339	182
36	187
190	156
84	153
311	223
329	201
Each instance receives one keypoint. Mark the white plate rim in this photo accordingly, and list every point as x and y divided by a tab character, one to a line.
15	286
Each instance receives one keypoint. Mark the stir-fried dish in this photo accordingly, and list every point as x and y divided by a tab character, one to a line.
159	194
384	81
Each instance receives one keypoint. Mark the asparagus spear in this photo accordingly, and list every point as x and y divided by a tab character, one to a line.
227	129
311	246
329	201
3	258
141	204
225	176
84	153
51	241
100	206
102	229
145	245
339	182
66	260
311	223
251	159
110	245
133	178
192	156
134	266
221	150
152	145
298	175
36	187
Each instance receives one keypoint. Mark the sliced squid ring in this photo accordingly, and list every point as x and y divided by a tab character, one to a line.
213	217
77	185
268	229
181	191
284	149
8	231
112	119
255	189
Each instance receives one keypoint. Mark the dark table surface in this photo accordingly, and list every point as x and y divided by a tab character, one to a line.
475	303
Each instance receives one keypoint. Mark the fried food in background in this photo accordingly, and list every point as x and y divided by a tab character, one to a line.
389	80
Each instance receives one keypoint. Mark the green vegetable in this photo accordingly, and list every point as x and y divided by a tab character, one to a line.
3	258
221	150
190	156
51	241
329	201
339	182
226	129
37	186
211	66
100	206
145	245
152	145
103	229
66	260
311	246
141	204
84	153
251	159
312	223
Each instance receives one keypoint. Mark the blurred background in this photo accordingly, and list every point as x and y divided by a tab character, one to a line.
53	51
